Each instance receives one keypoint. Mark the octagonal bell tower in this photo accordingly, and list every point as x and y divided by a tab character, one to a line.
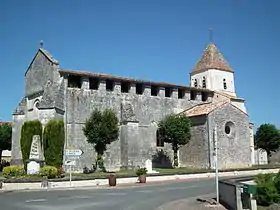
213	72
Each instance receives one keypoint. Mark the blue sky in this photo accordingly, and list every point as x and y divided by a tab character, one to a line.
158	40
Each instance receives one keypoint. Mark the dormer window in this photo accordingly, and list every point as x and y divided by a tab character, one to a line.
225	84
195	83
204	82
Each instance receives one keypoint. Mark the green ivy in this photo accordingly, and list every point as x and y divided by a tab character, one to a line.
53	141
28	130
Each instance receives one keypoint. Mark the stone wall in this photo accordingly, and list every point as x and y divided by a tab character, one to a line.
195	154
260	157
39	72
233	148
137	140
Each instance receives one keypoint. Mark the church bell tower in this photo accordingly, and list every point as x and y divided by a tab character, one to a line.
213	72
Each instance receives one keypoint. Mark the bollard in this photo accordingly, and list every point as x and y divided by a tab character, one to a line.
45	182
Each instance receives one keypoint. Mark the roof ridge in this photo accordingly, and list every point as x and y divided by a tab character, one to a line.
49	55
212	58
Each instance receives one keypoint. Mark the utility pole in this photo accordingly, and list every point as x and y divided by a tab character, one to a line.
216	163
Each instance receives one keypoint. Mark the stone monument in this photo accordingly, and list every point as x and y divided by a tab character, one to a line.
149	167
36	157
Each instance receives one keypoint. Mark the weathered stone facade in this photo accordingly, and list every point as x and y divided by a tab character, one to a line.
52	92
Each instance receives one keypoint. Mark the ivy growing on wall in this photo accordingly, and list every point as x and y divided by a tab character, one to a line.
28	130
53	141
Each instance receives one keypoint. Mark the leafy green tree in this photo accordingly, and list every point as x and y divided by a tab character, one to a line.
176	130
267	138
5	138
53	141
101	129
28	130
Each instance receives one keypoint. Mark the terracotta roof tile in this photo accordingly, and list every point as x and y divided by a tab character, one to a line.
212	59
1	123
232	97
203	109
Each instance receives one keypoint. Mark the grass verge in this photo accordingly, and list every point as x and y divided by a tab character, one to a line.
131	173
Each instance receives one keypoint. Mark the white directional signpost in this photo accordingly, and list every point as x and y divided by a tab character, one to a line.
72	154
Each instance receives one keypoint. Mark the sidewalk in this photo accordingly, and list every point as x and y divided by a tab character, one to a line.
191	204
125	181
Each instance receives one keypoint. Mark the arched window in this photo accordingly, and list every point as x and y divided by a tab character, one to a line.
160	142
204	82
195	83
36	104
225	84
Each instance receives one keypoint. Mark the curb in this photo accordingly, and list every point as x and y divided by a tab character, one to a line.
96	183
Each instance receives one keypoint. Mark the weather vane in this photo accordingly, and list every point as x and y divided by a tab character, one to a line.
41	44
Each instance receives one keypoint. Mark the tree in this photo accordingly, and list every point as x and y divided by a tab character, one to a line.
101	129
175	129
28	130
5	138
53	141
267	138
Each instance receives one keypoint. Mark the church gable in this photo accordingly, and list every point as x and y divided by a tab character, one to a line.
43	68
53	96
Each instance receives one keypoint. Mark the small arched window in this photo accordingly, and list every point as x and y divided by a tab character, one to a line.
204	82
195	83
160	142
225	84
36	104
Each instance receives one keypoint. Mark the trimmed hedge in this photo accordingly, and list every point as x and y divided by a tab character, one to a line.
53	141
28	130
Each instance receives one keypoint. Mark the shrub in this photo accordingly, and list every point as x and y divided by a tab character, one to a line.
60	172
13	171
141	171
28	130
267	193
48	171
53	142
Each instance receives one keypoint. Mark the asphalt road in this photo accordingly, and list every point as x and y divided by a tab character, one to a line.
128	198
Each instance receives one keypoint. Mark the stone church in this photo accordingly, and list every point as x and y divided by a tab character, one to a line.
210	101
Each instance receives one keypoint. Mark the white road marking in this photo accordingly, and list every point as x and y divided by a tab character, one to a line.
35	200
117	193
145	191
177	188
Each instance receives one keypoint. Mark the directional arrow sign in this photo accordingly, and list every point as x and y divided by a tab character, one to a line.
74	152
70	163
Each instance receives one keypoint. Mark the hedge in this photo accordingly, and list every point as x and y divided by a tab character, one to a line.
53	141
28	130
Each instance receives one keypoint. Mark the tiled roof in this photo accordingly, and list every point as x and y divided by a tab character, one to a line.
212	59
1	122
203	109
232	97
